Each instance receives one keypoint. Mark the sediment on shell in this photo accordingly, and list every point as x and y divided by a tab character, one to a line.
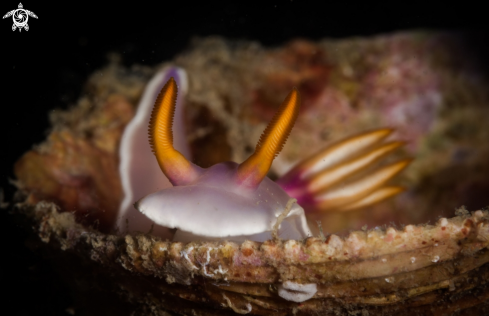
416	267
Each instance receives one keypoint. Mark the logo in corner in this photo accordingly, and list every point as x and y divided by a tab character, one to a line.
20	17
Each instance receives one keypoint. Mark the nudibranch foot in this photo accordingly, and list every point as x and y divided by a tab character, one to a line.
324	182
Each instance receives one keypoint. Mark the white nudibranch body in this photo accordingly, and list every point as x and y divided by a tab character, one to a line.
214	207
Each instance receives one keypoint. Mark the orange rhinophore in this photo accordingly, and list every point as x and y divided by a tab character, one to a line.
252	171
173	164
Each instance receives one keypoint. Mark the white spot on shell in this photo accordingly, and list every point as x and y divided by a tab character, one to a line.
384	260
413	259
389	280
296	292
436	259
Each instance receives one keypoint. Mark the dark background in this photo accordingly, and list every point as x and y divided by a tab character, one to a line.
45	69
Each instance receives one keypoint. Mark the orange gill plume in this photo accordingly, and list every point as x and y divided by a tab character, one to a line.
252	171
338	178
173	164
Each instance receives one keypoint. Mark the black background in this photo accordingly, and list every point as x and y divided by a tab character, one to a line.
45	68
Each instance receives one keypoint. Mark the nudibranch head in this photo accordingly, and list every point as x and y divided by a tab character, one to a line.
228	200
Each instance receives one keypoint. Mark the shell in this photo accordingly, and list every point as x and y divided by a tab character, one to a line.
420	270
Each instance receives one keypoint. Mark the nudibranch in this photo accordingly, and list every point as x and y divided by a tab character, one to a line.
228	200
238	202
